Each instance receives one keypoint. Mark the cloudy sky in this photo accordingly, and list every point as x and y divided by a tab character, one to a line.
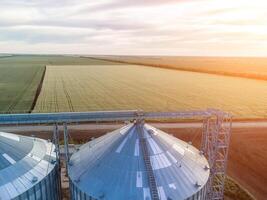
151	27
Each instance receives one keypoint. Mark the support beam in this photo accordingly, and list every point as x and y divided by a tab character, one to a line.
56	141
66	146
73	117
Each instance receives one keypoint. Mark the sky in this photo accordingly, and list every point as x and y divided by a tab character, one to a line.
134	27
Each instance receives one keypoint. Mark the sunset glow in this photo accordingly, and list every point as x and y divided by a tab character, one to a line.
166	27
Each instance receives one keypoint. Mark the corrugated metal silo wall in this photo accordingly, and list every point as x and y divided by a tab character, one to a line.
77	194
46	189
200	195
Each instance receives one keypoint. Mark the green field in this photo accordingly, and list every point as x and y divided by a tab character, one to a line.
20	76
106	87
84	84
18	85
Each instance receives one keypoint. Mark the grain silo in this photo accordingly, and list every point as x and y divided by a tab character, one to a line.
28	168
138	162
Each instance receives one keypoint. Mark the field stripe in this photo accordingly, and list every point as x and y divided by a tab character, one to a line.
38	91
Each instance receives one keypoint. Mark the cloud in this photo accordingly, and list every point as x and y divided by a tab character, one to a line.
133	26
119	4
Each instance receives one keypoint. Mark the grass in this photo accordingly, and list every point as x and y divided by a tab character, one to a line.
20	76
106	87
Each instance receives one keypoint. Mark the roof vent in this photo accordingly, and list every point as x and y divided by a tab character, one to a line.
34	179
197	184
52	161
151	132
206	167
189	144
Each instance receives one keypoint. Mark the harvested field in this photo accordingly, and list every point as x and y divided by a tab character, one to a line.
247	67
117	87
247	158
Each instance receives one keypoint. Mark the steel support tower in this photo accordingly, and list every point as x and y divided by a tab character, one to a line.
215	146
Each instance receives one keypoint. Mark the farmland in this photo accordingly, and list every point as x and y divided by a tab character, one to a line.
106	87
254	68
73	83
20	76
84	84
18	85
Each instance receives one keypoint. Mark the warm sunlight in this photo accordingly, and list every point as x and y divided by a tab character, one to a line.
234	28
133	99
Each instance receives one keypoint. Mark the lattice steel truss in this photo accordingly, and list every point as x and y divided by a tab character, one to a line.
215	145
215	136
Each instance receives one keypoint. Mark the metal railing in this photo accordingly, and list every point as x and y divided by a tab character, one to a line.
71	117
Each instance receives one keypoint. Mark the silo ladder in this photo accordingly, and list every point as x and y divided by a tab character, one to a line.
151	178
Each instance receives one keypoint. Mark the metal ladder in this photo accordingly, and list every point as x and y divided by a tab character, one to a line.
151	178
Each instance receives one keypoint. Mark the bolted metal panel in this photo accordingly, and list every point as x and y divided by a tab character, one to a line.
113	167
28	169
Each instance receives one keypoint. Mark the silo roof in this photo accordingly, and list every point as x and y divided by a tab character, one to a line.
24	161
112	167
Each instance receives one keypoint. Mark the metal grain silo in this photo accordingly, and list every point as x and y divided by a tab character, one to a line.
138	162
28	168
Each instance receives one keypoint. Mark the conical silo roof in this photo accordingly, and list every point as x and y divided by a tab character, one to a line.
114	166
24	162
